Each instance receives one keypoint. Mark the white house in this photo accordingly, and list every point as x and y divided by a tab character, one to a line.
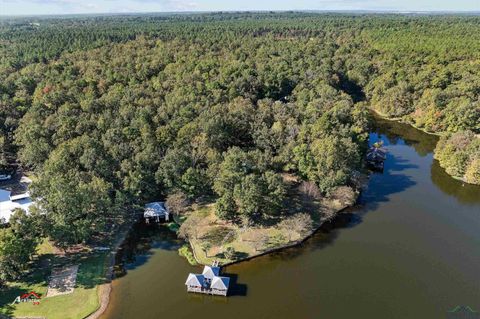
9	203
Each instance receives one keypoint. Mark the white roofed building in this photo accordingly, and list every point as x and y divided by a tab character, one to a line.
209	282
209	272
219	285
155	211
9	203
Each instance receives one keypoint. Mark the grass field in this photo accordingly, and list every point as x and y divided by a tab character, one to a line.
79	304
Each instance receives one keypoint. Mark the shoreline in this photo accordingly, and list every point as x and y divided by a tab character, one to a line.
293	244
438	134
105	289
290	245
400	120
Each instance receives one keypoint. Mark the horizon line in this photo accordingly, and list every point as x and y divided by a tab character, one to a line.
368	11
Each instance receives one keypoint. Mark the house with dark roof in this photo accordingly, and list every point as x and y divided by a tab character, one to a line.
376	156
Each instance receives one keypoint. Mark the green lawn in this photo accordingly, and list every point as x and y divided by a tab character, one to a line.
79	304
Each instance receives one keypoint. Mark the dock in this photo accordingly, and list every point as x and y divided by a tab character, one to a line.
209	282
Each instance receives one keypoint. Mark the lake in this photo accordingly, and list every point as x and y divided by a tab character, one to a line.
409	249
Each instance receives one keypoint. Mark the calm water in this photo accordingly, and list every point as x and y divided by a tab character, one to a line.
411	249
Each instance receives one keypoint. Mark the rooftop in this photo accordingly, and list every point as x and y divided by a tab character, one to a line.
9	203
155	209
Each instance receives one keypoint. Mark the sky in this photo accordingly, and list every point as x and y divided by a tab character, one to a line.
36	7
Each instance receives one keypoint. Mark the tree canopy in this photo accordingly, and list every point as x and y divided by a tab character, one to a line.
109	112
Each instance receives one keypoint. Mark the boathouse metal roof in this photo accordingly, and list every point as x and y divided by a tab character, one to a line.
220	283
155	209
210	272
376	153
195	280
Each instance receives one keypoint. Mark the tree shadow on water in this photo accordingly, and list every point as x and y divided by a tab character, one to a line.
380	187
324	237
465	193
391	181
137	249
397	164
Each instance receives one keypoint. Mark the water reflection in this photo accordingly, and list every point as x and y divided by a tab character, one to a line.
407	250
393	180
140	244
463	192
424	144
396	133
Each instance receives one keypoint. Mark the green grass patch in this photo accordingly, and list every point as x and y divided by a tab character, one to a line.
173	226
79	304
187	253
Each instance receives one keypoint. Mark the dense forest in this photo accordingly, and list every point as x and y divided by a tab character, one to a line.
108	112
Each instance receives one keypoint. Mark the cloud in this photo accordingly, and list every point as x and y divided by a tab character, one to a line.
23	7
92	6
71	5
182	5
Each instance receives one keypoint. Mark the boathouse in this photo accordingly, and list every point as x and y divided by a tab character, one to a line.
376	156
209	272
209	282
156	211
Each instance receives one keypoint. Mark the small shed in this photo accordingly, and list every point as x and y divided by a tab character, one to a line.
156	211
377	154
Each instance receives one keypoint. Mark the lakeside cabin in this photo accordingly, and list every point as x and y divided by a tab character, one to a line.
209	282
156	211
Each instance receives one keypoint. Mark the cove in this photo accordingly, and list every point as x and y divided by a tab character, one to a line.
409	249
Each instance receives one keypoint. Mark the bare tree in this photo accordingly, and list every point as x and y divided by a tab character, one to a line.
189	228
246	223
299	224
177	203
310	189
229	237
260	241
230	253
